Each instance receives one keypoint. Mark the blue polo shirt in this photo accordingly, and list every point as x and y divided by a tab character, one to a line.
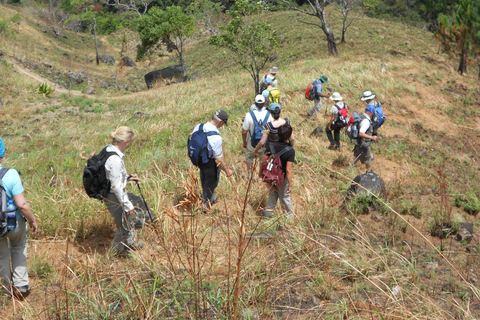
318	84
13	186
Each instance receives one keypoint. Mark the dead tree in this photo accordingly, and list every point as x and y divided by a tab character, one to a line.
345	7
138	6
55	17
316	9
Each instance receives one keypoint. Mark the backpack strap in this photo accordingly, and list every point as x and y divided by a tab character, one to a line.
272	150
209	133
3	207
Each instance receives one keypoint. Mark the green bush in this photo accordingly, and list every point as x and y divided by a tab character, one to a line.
469	202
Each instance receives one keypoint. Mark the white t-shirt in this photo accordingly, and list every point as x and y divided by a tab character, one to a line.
364	124
215	142
334	109
249	125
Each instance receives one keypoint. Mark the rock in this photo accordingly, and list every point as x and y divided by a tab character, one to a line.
369	181
471	249
107	59
316	301
317	132
140	114
173	72
431	265
467	225
90	91
274	57
194	76
126	61
464	235
424	192
375	217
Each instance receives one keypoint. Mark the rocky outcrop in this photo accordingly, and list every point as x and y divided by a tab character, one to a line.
126	61
174	73
107	59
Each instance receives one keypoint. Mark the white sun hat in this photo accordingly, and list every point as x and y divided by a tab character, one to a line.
367	95
336	97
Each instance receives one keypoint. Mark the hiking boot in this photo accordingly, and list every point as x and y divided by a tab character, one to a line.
21	293
338	147
332	147
137	245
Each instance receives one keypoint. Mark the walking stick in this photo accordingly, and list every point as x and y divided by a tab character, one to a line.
150	214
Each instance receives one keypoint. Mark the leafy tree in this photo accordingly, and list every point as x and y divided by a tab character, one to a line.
251	39
170	27
207	14
315	8
460	33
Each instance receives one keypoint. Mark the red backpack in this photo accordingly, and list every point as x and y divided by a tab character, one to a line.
311	92
272	170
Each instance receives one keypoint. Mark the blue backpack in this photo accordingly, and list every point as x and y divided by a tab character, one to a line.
379	117
257	131
197	146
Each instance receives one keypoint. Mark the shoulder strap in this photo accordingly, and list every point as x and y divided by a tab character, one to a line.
255	121
3	171
284	151
3	205
209	133
272	150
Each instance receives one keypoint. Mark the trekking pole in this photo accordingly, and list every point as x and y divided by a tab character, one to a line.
364	149
145	202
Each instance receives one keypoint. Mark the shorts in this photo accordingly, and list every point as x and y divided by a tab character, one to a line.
250	155
366	156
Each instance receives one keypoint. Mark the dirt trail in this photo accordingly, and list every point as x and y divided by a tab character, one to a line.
58	88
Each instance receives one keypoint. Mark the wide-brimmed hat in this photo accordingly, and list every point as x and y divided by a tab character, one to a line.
260	99
274	70
222	115
274	108
367	95
336	97
324	79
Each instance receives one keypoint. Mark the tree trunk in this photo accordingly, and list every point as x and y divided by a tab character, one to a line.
332	46
256	78
344	29
95	33
462	66
343	36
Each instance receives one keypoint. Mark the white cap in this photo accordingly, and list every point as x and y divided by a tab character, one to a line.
259	99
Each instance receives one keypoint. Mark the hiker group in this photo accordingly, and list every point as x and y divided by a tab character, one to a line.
268	139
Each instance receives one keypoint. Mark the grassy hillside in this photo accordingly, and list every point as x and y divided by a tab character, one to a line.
331	262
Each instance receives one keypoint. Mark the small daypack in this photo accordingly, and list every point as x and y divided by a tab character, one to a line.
257	131
95	179
271	99
264	84
272	169
378	117
198	146
3	204
342	117
311	92
353	125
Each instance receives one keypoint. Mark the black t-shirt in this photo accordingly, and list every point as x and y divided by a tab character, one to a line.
288	156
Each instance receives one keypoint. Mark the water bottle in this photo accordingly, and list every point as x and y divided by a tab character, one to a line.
11	217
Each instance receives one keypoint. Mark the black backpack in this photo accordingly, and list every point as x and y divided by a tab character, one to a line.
3	205
95	179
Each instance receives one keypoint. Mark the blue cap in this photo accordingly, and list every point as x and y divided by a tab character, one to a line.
370	108
268	80
274	107
2	148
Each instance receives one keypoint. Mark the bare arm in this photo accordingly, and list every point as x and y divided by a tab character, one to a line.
289	174
220	163
366	136
244	137
262	141
323	95
24	208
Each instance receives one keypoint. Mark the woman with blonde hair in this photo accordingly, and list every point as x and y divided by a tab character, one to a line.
117	201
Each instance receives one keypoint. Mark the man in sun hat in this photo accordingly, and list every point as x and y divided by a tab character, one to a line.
362	150
318	83
369	97
252	131
263	85
335	123
210	172
13	257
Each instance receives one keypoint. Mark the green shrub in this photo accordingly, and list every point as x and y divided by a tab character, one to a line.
469	202
45	89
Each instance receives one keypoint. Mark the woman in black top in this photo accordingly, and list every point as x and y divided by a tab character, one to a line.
288	158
